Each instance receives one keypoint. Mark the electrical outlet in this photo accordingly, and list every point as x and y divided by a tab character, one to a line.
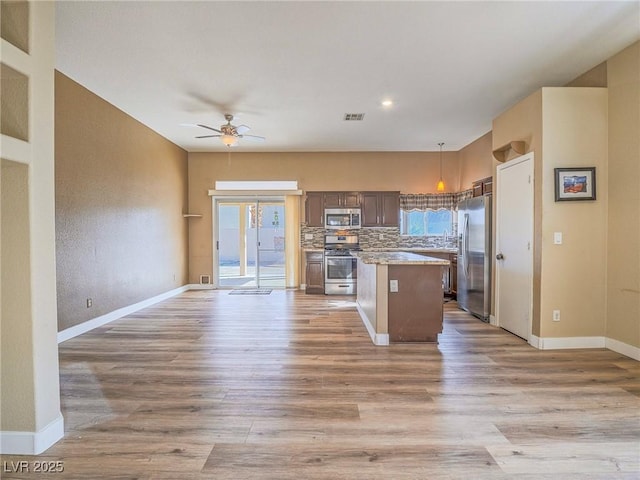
393	285
308	236
89	302
380	236
556	315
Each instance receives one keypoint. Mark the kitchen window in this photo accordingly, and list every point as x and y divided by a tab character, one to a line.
425	214
423	223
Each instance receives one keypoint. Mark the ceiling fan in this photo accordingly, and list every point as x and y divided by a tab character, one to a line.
229	134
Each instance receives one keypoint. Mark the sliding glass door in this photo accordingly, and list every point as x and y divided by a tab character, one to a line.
250	243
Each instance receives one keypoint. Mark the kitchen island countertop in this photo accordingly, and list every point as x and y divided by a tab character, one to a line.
398	258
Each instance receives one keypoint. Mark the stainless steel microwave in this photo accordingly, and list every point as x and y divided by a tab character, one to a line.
342	218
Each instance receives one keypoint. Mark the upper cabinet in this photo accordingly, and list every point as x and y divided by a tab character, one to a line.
314	209
341	199
380	209
483	187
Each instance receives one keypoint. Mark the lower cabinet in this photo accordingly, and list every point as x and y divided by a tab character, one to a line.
315	272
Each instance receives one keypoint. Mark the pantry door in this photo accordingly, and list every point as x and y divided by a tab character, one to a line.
514	245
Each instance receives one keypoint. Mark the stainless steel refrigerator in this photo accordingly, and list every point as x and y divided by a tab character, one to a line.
474	256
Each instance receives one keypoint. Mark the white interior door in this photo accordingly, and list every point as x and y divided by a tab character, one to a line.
514	245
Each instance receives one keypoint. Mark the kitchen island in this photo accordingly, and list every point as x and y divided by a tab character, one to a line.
400	296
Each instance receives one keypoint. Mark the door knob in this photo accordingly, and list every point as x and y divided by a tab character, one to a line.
499	256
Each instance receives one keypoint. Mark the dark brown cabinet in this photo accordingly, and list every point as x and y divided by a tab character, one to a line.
341	199
317	201
315	272
487	186
390	209
380	209
314	209
370	209
482	187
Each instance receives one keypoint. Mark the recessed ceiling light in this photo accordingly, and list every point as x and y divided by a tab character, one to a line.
387	103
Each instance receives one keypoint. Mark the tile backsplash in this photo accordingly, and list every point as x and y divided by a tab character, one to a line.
378	238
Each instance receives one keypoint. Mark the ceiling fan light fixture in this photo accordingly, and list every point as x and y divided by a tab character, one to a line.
229	140
440	186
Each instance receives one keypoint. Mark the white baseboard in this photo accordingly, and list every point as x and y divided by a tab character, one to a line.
623	348
534	341
31	443
381	339
84	327
200	286
566	343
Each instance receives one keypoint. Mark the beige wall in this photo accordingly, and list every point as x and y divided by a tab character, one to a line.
476	161
623	244
18	401
408	172
595	77
29	397
573	280
121	190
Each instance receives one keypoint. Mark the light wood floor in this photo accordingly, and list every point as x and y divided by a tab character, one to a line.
289	386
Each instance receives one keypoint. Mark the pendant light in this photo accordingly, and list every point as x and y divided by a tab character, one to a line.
440	187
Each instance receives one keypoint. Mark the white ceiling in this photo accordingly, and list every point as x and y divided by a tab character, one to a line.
291	70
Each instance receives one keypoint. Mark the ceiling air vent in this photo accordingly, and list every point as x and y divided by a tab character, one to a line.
353	117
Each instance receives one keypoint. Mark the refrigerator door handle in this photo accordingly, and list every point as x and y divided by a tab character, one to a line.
465	245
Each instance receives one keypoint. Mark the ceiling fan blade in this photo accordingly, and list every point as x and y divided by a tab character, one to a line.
255	138
208	136
209	128
242	129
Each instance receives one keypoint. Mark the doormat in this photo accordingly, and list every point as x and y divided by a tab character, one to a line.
253	291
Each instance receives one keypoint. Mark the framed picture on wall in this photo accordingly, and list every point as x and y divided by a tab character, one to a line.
577	183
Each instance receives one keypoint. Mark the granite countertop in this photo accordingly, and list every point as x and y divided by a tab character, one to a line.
392	250
399	258
413	249
430	249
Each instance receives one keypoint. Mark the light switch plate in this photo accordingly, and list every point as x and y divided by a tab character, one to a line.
557	238
393	286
